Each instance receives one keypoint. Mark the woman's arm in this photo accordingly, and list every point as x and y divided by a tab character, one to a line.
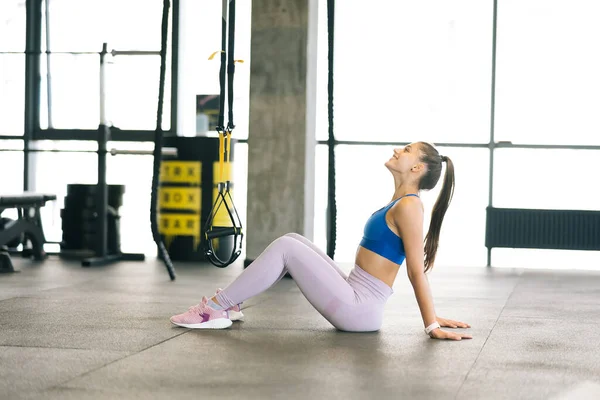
408	218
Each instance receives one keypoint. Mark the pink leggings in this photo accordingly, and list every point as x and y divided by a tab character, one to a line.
350	303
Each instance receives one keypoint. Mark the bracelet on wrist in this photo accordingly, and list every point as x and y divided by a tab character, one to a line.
431	327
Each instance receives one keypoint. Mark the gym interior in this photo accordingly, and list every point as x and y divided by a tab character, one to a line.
150	150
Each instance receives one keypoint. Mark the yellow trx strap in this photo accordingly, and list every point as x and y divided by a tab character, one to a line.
221	155
228	145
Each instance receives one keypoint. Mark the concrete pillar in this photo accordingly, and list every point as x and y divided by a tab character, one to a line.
281	143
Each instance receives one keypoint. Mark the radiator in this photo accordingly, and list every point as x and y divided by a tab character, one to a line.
542	229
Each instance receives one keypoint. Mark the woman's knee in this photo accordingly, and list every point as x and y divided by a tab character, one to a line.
285	243
294	235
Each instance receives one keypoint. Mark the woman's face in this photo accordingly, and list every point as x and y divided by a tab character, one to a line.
404	159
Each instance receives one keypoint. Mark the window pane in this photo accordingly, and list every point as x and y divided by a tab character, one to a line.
365	185
132	93
417	68
11	161
53	172
547	76
135	172
12	94
12	25
124	25
75	87
546	179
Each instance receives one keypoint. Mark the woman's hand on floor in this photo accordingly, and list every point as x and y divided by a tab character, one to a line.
448	323
444	335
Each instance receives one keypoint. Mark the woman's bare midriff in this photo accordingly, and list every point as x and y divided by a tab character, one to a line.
381	268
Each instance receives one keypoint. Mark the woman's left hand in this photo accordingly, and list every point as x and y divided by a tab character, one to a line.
449	323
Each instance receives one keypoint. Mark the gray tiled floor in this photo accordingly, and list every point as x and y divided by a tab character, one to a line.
68	332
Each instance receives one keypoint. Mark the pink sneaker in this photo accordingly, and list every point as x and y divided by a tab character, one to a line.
202	316
235	312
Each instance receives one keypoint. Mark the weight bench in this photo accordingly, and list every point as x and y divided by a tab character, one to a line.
27	228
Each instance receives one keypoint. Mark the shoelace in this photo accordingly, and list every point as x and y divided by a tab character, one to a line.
198	308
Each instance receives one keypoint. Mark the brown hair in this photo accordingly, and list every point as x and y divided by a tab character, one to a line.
434	160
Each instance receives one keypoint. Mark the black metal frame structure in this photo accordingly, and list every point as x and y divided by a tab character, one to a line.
32	130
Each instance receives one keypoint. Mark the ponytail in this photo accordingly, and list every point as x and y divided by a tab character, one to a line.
437	215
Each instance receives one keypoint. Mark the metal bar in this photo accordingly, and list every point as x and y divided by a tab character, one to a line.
40	52
33	45
51	151
117	135
115	53
12	137
102	190
174	65
372	143
165	151
492	118
48	74
497	145
508	145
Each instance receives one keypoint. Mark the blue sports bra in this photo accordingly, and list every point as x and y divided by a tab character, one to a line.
379	238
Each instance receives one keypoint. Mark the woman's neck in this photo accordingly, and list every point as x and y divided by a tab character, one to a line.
402	189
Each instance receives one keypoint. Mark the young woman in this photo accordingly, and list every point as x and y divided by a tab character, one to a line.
354	303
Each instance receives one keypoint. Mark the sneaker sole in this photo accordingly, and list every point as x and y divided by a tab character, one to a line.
235	315
219	323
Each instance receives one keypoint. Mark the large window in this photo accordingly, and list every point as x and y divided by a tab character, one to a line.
406	71
71	35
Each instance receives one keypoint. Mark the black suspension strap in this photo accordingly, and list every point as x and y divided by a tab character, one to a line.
158	137
223	70
331	203
234	225
230	66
